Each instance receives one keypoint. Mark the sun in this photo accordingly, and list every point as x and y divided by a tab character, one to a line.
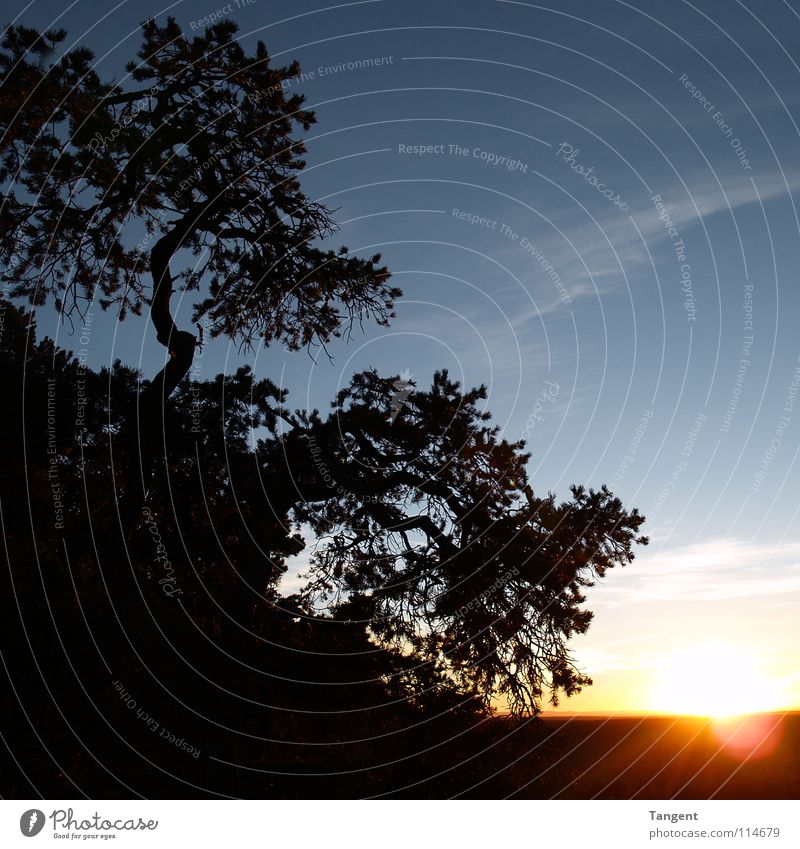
716	680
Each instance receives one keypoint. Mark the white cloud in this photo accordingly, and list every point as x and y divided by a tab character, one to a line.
607	249
713	570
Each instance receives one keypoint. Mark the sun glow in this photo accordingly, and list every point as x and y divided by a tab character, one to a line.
717	680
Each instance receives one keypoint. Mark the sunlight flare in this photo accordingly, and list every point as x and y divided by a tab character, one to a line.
717	680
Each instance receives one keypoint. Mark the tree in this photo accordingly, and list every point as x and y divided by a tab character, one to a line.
196	147
430	532
186	619
441	582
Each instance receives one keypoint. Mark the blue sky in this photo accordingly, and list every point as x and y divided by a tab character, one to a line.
674	349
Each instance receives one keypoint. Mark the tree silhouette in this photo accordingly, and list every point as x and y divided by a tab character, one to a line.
201	638
439	584
432	533
196	147
449	586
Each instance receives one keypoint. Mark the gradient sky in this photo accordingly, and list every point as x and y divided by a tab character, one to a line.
673	373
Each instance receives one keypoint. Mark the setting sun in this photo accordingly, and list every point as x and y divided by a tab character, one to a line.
717	680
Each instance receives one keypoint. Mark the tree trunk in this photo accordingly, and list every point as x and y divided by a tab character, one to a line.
148	438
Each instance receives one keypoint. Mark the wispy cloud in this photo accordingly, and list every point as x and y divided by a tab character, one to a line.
599	660
709	571
587	253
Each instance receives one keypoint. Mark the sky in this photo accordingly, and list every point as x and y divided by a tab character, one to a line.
591	209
